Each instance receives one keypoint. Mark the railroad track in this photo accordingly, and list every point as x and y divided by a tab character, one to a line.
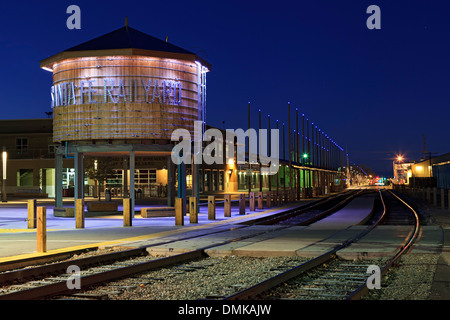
310	213
333	278
96	270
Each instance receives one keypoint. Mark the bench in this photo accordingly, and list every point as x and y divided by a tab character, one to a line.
102	206
157	211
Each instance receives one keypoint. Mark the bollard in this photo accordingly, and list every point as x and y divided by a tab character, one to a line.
435	196
275	199
227	205
79	213
252	201
193	216
442	199
241	203
179	214
260	200
31	214
211	208
269	199
127	221
41	229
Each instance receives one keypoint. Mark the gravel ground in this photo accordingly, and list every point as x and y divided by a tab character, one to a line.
326	282
199	279
411	279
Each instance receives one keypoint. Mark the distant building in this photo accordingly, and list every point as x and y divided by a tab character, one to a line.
401	170
434	172
30	156
31	166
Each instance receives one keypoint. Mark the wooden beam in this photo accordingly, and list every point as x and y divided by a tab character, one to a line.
211	208
179	212
227	205
127	220
79	213
41	229
31	204
193	213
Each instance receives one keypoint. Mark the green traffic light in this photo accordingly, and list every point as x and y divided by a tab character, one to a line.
305	155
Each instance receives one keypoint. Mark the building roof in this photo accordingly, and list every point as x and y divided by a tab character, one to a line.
127	37
26	126
436	160
124	41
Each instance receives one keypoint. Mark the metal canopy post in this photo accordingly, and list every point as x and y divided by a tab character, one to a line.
170	182
58	180
79	175
132	188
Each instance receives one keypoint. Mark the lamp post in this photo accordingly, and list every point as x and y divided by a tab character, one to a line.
396	177
4	158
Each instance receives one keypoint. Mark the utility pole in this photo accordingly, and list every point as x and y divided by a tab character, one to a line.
249	171
289	138
271	155
348	169
260	168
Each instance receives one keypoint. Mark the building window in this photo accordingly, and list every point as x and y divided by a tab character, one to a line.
22	144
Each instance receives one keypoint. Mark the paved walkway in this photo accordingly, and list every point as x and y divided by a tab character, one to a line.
16	240
285	241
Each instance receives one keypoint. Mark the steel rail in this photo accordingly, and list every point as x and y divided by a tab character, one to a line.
20	263
58	267
270	283
363	289
61	287
296	211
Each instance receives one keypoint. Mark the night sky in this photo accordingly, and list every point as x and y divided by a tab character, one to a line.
375	92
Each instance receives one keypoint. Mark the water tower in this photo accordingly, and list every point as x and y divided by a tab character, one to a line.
122	94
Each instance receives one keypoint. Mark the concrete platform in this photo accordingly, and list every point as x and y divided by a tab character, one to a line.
285	241
104	230
385	241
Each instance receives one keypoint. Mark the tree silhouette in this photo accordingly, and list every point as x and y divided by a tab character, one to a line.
100	169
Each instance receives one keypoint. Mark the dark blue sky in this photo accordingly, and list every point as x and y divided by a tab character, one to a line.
375	91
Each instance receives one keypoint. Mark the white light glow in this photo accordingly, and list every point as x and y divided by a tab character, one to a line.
4	156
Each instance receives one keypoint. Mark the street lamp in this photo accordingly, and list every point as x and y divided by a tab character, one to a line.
305	158
396	176
4	157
